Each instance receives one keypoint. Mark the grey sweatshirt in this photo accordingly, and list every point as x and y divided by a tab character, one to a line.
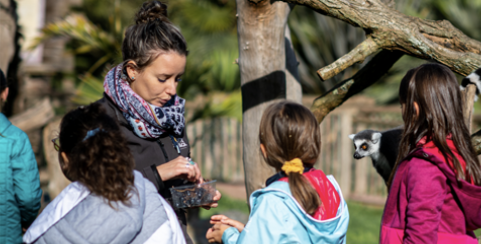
76	216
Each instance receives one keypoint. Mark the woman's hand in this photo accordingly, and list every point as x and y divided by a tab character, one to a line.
216	198
215	233
179	168
216	219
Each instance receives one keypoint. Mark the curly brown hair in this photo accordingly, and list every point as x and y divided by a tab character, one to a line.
101	161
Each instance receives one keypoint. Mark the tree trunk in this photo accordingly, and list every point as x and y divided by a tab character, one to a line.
293	86
264	80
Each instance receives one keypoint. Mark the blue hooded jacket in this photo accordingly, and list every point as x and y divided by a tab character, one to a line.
19	182
276	217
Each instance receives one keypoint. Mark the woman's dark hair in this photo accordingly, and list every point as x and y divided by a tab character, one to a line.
152	35
436	91
101	161
3	86
289	130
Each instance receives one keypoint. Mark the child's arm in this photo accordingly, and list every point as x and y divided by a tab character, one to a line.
270	222
426	190
215	219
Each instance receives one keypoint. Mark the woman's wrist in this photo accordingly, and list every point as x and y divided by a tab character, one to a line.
161	172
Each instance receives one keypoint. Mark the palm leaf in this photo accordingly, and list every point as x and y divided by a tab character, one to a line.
89	90
81	30
220	104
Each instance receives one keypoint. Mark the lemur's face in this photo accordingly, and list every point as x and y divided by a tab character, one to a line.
365	143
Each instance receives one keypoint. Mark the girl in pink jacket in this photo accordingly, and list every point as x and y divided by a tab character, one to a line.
434	194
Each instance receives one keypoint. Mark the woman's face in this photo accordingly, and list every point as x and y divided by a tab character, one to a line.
157	83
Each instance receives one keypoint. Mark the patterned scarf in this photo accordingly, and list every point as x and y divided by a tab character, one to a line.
147	120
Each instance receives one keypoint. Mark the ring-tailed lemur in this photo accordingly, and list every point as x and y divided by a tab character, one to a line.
382	147
473	78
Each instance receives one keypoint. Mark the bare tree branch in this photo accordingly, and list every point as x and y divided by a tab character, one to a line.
357	55
364	78
392	30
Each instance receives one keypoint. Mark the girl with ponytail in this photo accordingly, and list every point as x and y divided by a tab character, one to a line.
108	201
299	204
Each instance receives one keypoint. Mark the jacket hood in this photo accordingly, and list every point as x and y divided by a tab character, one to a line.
4	123
94	221
331	230
467	195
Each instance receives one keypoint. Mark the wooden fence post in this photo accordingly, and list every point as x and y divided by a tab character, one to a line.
346	157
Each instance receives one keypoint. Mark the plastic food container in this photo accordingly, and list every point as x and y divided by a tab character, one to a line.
193	195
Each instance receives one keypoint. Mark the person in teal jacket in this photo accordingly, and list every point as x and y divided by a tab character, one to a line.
299	204
19	178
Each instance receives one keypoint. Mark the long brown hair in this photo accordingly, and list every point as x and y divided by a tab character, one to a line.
97	152
289	130
436	91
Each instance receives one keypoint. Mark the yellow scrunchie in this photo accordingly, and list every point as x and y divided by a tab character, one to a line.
295	166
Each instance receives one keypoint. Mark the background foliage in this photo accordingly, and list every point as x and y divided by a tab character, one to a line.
212	78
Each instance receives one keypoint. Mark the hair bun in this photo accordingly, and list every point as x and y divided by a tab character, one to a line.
151	11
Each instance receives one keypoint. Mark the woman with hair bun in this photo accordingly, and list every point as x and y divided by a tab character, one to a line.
107	201
140	93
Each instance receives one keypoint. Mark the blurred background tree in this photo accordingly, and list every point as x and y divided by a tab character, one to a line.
96	30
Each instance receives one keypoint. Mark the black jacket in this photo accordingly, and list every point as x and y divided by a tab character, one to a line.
149	153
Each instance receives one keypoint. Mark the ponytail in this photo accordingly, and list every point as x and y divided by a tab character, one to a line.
97	152
304	193
289	131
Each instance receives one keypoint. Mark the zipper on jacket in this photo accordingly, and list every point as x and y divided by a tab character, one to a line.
163	150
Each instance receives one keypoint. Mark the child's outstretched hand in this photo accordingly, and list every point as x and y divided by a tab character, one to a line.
215	219
215	233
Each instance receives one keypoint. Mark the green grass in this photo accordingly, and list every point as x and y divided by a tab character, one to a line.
363	228
364	225
225	204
